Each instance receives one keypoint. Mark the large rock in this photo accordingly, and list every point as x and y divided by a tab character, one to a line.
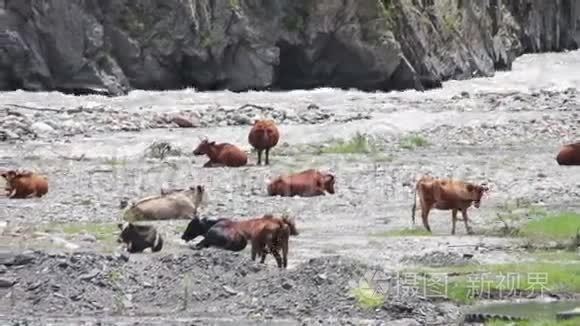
111	46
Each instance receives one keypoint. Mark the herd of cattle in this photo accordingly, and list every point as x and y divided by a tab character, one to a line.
267	233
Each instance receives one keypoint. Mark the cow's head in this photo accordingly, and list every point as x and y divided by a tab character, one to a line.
204	147
195	228
476	193
127	234
9	175
327	181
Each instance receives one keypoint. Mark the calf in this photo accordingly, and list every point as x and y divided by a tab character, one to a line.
274	240
24	184
569	155
263	136
223	154
447	194
307	183
140	237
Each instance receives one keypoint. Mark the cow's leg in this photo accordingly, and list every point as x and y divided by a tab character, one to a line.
259	157
202	244
453	220
425	216
267	156
208	164
465	220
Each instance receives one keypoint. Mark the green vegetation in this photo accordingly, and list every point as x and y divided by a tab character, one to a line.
234	4
293	23
113	162
412	141
358	144
450	15
386	7
206	40
556	255
571	322
101	231
560	226
403	233
508	278
366	297
161	149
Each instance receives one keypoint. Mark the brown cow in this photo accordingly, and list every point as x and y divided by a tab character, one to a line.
263	136
223	154
307	183
25	184
447	194
569	155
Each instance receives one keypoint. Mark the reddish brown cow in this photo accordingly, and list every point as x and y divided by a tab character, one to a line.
569	155
307	183
223	154
25	184
263	136
447	194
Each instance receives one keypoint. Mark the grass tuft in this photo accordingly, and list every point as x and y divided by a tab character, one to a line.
359	144
367	297
403	233
412	141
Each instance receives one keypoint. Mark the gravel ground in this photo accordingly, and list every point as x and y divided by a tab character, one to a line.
93	151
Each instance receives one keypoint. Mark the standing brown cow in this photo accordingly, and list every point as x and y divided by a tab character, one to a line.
24	184
569	155
263	136
307	183
447	194
223	154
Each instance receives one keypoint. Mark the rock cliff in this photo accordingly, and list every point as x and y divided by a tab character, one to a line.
112	46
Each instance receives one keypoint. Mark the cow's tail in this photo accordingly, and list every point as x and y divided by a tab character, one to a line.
414	206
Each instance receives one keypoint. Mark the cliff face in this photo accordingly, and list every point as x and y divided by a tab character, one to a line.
112	46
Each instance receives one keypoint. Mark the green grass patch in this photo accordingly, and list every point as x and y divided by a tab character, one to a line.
412	141
101	231
358	144
403	233
561	226
556	255
571	322
464	281
366	297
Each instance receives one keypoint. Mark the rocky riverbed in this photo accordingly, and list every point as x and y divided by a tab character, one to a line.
93	150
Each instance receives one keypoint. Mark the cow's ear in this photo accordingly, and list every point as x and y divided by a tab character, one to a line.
120	226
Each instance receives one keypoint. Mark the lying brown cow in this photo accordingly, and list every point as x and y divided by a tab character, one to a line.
223	154
24	184
447	194
263	136
569	155
307	183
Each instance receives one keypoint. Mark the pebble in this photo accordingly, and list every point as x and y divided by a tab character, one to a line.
6	283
